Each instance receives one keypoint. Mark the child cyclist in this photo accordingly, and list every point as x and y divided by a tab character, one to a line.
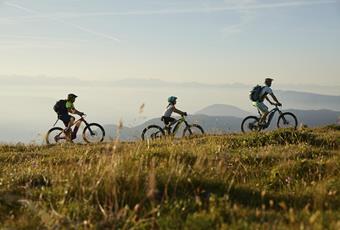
166	118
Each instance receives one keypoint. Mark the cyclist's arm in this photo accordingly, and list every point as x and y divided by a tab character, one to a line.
74	111
275	99
179	112
267	98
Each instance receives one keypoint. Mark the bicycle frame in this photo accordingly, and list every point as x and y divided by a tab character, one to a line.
79	121
178	124
271	116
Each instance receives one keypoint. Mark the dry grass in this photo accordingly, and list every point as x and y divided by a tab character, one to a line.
276	180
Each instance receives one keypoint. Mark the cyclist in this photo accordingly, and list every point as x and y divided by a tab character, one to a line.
68	120
166	118
265	91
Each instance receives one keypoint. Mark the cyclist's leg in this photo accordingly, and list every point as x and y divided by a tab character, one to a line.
168	121
65	118
264	111
75	130
172	121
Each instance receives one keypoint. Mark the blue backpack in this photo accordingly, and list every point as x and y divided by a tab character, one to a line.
255	93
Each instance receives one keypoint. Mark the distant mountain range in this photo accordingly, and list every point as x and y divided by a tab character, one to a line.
223	110
152	82
217	119
295	97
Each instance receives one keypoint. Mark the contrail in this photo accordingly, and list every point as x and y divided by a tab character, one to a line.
84	29
185	11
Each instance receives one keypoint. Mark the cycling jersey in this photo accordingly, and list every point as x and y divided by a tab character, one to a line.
169	110
69	105
265	90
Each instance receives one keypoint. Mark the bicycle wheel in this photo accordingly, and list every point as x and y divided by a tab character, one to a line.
287	120
55	135
250	124
193	130
93	133
152	132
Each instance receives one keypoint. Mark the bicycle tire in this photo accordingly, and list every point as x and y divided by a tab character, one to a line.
160	133
87	131
189	129
256	119
281	117
49	132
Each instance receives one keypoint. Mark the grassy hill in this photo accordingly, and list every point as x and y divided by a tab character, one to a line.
274	180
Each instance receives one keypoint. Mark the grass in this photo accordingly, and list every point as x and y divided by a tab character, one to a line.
276	180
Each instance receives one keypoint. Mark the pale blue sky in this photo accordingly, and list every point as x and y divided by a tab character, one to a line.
210	41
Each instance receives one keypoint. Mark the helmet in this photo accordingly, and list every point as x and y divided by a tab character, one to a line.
71	96
268	79
172	99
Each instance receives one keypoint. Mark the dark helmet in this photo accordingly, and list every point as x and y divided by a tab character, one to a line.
268	79
172	99
71	96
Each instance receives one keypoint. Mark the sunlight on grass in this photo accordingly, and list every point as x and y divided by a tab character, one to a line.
285	178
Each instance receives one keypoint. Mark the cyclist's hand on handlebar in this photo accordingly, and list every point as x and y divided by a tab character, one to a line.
185	114
82	114
279	104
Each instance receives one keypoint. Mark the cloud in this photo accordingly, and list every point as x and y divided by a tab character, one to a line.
228	6
79	27
245	8
246	17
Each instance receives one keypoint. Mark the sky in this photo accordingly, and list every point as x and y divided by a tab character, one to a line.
45	42
207	41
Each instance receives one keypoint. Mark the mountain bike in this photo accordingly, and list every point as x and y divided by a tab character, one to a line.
154	132
92	133
285	120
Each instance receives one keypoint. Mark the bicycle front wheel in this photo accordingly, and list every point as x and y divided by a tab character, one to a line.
287	120
93	133
193	130
152	132
55	135
250	124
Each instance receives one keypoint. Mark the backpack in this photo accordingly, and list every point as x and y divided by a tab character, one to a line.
60	107
255	93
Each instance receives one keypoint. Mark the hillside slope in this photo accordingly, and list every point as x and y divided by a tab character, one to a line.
283	179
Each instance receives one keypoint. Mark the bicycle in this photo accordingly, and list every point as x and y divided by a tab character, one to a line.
154	132
285	120
92	133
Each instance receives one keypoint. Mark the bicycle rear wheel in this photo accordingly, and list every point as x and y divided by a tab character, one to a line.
152	132
93	133
193	130
55	135
250	124
287	120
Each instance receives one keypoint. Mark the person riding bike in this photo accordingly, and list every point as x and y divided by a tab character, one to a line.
64	109
166	118
263	94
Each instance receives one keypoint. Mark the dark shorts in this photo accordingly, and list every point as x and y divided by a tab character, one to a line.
65	118
168	120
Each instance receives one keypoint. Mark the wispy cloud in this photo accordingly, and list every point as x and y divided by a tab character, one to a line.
246	17
57	19
251	5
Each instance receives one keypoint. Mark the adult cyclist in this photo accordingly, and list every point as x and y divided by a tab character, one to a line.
263	95
166	118
65	108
